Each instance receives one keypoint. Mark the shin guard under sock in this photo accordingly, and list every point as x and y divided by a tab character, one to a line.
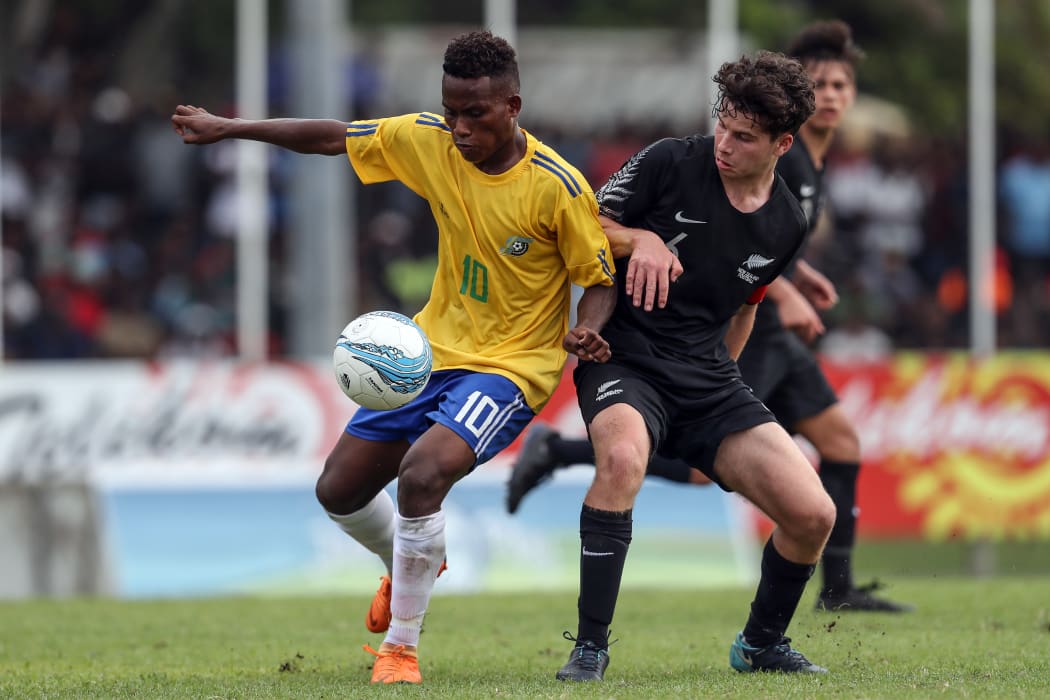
840	481
604	537
372	527
779	591
419	549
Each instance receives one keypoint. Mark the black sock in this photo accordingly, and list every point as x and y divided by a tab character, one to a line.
840	481
604	538
573	451
576	451
779	591
671	469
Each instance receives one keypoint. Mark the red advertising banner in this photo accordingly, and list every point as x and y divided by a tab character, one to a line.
952	445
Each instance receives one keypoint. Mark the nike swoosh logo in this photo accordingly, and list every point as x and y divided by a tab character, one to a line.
589	553
685	220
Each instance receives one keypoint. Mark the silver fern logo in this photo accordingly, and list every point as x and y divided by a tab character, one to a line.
620	185
756	261
753	262
605	390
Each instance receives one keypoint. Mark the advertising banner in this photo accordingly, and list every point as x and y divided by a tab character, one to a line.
197	478
181	424
952	445
146	480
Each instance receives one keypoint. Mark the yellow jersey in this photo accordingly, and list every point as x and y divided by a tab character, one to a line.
508	247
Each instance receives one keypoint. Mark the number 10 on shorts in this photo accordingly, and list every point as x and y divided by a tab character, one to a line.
477	413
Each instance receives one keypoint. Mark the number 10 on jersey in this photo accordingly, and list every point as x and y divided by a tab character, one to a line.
475	279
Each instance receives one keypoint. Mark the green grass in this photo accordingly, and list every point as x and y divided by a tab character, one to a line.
892	558
969	638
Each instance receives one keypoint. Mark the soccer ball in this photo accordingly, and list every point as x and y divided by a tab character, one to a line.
382	360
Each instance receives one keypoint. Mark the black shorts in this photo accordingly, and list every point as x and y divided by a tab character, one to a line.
688	427
786	377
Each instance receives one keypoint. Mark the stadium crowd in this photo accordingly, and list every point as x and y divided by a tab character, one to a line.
120	242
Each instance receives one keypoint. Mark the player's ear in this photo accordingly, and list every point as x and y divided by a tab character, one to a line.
783	144
514	106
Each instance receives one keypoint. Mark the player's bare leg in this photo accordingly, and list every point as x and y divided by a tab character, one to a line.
428	470
410	542
835	439
764	465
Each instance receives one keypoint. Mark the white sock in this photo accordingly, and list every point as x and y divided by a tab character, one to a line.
373	527
419	549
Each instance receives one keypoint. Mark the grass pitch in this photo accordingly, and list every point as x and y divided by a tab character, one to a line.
968	638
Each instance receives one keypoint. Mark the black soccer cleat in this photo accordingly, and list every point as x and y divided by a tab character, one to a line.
860	599
776	657
587	662
534	465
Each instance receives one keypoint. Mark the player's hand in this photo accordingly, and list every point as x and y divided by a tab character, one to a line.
818	289
198	126
586	345
650	271
798	315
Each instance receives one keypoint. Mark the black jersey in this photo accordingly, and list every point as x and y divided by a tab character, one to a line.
673	188
806	182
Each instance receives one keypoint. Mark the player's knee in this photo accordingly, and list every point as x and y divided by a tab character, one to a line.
844	446
849	442
839	442
622	465
811	522
423	484
337	490
329	492
822	518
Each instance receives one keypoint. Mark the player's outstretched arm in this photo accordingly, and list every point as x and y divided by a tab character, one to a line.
315	136
652	267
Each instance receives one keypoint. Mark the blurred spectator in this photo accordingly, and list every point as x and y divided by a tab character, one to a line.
120	242
856	340
1024	190
878	199
400	280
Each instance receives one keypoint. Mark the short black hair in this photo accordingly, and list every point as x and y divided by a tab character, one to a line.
481	54
829	40
773	90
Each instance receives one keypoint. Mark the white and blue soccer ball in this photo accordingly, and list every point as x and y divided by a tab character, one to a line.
382	360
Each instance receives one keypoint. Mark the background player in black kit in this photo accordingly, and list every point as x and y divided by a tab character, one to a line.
715	208
777	362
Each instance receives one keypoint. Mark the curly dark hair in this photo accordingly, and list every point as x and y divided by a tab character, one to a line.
773	90
830	40
482	54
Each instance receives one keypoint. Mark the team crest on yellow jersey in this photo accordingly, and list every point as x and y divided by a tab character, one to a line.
516	246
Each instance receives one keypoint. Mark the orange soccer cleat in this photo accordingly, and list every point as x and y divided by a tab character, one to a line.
378	617
394	664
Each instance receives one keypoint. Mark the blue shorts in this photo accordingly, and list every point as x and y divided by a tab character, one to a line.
486	410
